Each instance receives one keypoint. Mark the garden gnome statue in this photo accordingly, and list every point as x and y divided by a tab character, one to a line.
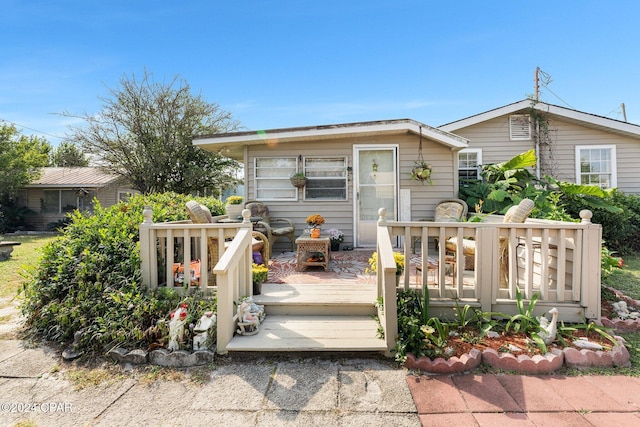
203	331
176	327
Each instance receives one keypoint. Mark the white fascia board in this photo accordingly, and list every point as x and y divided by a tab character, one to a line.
591	119
445	138
600	121
483	117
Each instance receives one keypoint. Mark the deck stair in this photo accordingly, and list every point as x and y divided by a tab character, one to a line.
315	317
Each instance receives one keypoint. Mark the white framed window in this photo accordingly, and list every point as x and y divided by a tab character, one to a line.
469	164
519	127
271	178
596	165
326	178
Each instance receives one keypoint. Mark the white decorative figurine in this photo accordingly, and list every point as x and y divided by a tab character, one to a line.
549	329
203	331
176	327
248	322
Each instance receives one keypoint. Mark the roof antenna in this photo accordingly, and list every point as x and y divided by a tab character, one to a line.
624	112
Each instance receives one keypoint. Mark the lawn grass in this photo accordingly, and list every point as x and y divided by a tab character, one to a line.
627	278
23	257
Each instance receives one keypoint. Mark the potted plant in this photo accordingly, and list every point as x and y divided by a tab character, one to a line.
315	221
398	258
421	172
336	237
234	206
298	180
260	274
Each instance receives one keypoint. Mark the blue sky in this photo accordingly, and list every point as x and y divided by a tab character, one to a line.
284	63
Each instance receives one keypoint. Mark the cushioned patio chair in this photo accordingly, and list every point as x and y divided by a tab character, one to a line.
516	214
451	210
273	228
200	214
447	210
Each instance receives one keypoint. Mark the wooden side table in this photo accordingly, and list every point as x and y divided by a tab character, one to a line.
308	246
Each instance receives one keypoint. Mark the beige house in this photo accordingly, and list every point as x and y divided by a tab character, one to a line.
352	170
570	145
60	191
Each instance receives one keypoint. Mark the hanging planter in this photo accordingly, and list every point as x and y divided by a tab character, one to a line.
298	180
421	170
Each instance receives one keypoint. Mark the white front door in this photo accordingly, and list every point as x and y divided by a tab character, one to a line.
375	187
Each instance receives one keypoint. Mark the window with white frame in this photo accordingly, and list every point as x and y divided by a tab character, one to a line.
520	127
596	165
272	178
469	164
326	178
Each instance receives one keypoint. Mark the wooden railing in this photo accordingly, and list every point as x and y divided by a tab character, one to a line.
559	261
225	255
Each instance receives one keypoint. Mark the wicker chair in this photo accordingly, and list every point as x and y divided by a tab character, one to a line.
200	214
447	210
516	214
451	210
273	228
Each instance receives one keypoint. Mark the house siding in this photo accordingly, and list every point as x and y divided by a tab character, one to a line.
37	220
492	136
340	214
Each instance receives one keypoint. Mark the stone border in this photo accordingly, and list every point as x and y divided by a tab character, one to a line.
618	356
538	364
454	365
162	357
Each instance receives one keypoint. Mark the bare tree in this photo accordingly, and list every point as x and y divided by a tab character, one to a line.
144	133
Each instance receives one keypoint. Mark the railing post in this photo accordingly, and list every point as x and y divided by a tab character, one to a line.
145	249
591	266
487	279
386	275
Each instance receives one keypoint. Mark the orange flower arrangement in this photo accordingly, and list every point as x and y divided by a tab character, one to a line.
315	220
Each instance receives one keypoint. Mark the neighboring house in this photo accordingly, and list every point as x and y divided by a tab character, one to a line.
573	146
352	170
60	191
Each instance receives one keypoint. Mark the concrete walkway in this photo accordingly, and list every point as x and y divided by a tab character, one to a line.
294	390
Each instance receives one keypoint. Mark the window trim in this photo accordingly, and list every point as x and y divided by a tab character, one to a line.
256	180
614	168
345	177
478	151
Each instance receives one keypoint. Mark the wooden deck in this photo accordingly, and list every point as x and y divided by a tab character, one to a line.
315	317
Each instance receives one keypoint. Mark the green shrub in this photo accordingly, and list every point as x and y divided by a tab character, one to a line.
88	279
621	228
